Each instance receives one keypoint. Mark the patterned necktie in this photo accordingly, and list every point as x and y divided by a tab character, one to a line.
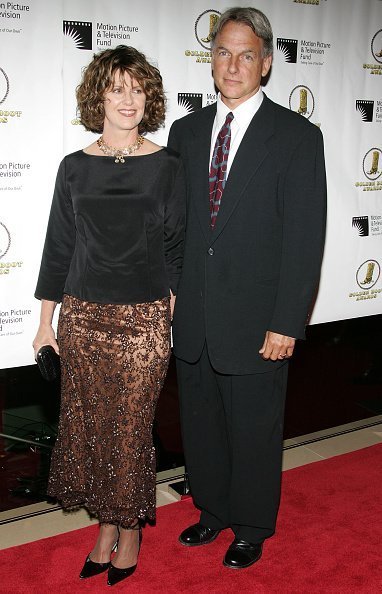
218	169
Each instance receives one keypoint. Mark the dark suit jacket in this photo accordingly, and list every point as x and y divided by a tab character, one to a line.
259	268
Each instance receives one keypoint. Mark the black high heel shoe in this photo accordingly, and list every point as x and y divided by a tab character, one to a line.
91	568
117	574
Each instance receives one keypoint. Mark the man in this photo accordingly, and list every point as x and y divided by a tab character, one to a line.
254	239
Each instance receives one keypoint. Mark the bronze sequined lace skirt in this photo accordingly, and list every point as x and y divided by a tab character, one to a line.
114	360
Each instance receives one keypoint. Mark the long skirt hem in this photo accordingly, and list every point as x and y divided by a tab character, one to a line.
114	359
123	519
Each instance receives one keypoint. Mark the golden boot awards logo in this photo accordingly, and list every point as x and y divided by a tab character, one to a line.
301	100
376	46
6	115
372	170
368	274
206	22
5	244
372	164
376	51
5	240
203	27
4	85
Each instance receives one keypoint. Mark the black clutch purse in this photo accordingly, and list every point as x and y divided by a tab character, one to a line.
48	363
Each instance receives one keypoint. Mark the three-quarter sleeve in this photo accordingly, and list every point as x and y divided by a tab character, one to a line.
174	228
59	242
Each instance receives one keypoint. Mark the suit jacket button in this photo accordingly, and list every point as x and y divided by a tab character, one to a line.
211	251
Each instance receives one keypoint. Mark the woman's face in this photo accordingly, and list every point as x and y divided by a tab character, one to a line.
124	104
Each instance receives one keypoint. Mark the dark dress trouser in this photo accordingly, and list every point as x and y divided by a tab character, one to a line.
232	428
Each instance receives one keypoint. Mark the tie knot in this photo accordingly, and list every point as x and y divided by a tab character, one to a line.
225	130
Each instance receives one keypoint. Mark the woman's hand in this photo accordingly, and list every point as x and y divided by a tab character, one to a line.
45	333
172	303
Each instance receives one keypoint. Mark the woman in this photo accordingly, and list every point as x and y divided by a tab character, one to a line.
112	255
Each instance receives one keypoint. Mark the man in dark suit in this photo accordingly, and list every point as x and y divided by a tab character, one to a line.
254	240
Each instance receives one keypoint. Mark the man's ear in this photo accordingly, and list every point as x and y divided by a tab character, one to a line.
267	63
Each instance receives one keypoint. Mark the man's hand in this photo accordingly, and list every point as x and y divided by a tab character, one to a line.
277	346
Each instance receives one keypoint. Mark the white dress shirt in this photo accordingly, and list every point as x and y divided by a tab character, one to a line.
243	115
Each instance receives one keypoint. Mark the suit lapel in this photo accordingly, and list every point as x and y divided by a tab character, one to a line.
252	151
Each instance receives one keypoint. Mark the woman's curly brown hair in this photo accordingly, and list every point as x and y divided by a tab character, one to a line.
98	77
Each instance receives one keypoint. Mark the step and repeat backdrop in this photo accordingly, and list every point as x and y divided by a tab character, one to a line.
327	67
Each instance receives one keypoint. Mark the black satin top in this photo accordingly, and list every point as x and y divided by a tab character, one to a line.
115	231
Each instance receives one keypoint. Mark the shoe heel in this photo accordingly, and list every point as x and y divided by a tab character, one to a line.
117	574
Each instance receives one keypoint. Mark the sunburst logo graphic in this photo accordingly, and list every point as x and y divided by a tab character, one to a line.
80	33
190	101
362	225
366	109
187	103
289	48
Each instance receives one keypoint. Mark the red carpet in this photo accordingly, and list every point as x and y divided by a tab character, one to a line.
329	540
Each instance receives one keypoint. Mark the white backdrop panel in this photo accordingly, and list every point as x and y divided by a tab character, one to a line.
327	65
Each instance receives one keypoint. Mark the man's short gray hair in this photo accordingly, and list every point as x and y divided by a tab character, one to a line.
255	19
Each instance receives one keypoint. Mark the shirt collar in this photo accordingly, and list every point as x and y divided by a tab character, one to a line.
243	114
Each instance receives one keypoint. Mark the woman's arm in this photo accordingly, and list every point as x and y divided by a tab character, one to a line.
59	242
45	333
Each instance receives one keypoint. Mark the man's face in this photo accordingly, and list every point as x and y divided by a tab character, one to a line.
238	64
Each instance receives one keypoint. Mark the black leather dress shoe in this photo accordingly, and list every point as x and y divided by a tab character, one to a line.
242	554
197	535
